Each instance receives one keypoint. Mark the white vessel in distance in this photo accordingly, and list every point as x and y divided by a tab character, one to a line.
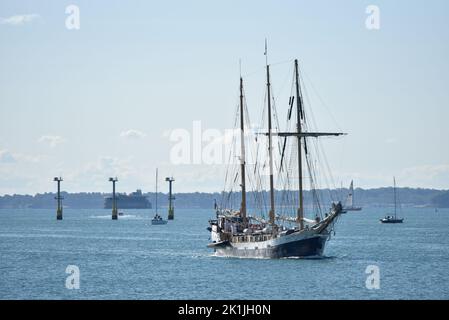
349	205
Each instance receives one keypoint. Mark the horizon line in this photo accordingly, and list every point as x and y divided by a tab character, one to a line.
219	192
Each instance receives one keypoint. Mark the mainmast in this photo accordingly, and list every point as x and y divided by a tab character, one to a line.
242	154
270	148
299	116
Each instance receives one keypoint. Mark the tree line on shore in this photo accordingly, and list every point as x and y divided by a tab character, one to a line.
362	197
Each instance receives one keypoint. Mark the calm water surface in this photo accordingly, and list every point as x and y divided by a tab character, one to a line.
131	259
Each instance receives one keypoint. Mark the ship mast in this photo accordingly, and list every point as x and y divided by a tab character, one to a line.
299	134
394	190
299	116
156	189
242	155
270	148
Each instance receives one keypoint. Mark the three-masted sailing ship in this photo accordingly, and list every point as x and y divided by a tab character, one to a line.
236	233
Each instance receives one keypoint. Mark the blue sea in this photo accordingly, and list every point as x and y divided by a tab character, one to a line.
131	259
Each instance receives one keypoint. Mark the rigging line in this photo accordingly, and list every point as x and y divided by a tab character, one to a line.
313	180
321	99
288	121
323	173
263	69
278	93
231	153
253	184
313	121
259	196
331	178
282	62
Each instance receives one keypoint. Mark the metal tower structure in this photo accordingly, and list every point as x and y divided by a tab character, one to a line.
114	199
59	199
171	209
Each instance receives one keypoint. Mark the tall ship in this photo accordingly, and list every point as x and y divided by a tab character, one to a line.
134	200
275	223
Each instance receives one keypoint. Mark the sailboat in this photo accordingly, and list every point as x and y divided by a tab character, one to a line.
349	206
157	218
236	233
390	218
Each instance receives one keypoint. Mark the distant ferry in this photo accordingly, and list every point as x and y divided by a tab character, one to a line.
134	200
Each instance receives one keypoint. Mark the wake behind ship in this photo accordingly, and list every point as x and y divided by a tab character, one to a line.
286	232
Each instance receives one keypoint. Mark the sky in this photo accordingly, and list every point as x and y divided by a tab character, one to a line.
107	99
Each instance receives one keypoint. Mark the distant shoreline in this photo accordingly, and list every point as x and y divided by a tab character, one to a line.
417	197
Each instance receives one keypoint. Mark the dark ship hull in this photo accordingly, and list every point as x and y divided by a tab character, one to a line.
308	242
311	247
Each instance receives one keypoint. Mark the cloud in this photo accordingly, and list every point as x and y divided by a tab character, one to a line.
6	157
52	141
105	167
20	19
133	134
435	176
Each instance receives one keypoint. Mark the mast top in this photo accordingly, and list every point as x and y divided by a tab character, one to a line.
266	52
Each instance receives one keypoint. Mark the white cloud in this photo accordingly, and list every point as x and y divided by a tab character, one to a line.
11	157
6	157
435	176
52	141
105	167
20	19
132	134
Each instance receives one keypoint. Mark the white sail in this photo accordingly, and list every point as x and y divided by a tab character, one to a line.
349	199
349	205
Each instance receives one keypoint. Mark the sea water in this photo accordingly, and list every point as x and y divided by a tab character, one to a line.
132	259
